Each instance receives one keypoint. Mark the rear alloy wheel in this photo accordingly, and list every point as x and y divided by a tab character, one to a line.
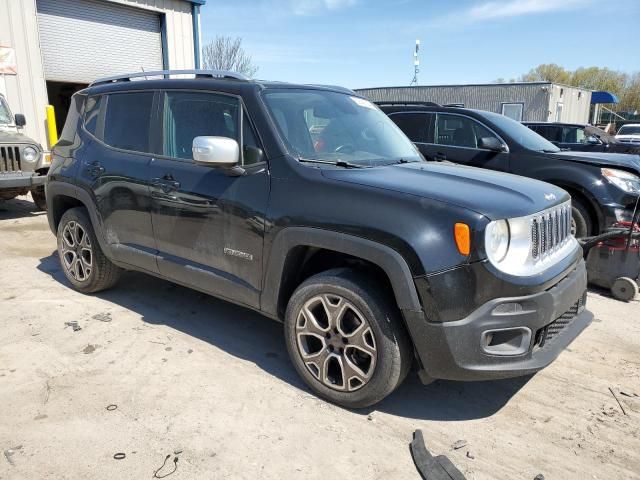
83	262
346	338
77	254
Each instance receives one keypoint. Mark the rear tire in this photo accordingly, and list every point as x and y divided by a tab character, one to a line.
38	196
346	339
580	220
82	260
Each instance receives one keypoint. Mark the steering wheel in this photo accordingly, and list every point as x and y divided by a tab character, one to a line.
344	148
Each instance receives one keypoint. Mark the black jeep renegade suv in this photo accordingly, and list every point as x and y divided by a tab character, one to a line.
308	204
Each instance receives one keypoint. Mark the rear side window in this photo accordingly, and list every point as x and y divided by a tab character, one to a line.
127	121
91	114
414	125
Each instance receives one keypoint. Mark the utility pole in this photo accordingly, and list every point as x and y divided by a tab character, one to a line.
416	65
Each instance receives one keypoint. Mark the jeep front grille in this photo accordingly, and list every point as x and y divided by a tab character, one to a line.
550	229
9	159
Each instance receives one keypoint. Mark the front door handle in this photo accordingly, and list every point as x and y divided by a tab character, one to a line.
166	184
441	157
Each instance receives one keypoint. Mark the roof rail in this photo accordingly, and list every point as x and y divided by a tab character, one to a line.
167	74
423	104
334	87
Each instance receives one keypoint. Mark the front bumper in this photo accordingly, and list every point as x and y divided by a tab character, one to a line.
504	337
21	180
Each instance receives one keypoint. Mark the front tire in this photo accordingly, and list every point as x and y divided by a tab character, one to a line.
82	260
346	339
38	196
580	220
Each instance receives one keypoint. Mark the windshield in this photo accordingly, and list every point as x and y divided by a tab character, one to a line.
337	127
5	114
629	130
521	134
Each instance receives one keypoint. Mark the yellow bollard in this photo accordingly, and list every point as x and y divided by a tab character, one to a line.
52	129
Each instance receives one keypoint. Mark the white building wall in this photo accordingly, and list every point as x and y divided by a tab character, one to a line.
27	93
576	103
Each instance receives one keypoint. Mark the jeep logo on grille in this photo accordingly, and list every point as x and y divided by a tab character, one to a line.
550	197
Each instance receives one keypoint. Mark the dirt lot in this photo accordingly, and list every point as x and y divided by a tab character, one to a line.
211	381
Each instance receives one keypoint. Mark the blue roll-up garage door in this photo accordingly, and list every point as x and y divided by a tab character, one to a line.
82	40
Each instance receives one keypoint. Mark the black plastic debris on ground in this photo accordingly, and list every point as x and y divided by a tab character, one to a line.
103	317
73	324
430	467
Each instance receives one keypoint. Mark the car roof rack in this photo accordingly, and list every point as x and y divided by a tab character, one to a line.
168	73
412	103
334	87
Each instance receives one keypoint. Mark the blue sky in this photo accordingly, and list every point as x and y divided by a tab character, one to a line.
366	43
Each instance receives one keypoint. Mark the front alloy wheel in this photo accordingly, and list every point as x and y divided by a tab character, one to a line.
346	338
336	342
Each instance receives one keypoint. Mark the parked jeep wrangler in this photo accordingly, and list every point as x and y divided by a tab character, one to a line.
372	257
22	167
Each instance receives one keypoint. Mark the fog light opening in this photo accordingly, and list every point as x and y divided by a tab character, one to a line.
509	341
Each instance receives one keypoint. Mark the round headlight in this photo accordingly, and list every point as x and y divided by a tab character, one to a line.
30	154
496	240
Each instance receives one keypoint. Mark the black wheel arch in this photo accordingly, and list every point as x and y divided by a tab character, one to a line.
292	251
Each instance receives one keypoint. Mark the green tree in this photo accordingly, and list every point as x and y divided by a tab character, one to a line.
549	72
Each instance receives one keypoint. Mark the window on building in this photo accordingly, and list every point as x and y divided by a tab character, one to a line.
559	107
513	111
128	121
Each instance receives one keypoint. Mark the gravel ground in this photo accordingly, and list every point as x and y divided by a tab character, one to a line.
210	383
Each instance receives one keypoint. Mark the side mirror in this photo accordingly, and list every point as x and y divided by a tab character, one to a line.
216	151
593	140
253	155
20	120
491	143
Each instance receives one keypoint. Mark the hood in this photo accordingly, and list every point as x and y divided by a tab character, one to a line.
493	194
627	160
7	136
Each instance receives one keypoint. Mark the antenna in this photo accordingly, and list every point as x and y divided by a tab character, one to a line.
416	65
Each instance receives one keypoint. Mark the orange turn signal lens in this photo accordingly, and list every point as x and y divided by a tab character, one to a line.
462	234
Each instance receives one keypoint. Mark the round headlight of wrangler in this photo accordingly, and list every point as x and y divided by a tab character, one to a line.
30	154
496	240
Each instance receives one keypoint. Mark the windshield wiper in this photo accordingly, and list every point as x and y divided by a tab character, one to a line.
337	163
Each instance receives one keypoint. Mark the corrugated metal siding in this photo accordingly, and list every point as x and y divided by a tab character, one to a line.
82	40
179	29
539	99
27	91
482	97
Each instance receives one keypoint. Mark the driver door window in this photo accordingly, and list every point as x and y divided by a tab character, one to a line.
188	115
459	131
